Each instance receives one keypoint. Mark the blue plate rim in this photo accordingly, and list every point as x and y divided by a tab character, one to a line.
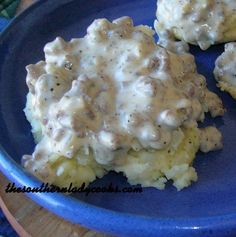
90	215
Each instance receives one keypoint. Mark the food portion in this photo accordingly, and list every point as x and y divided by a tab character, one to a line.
225	70
199	22
115	100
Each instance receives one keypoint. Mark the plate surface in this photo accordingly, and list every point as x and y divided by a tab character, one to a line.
207	208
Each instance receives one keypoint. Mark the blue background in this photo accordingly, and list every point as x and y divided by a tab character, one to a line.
5	228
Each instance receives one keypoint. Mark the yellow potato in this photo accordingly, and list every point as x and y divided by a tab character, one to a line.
154	168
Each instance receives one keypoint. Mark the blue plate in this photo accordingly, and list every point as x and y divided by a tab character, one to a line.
207	208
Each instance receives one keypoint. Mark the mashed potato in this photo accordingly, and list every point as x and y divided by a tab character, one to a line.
200	22
115	100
